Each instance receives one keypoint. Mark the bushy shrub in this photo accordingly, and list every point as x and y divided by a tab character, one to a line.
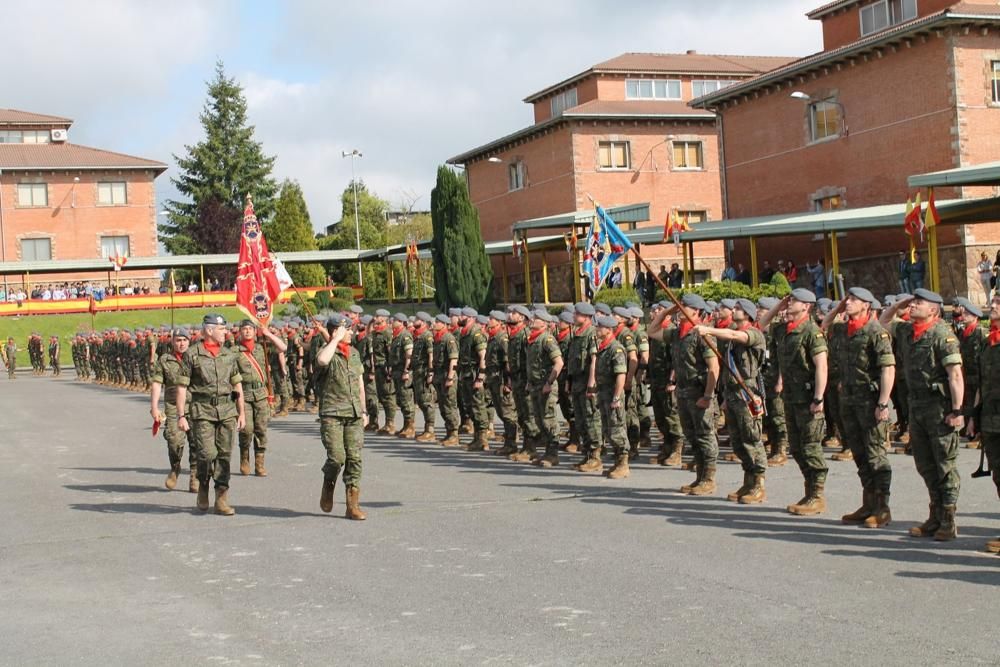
714	290
616	296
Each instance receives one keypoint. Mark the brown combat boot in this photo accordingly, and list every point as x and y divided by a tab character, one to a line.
326	495
731	457
479	443
203	496
572	448
222	503
843	455
620	469
354	512
244	461
407	431
426	436
523	456
193	481
814	503
947	531
450	440
740	492
756	494
593	464
929	527
993	546
859	515
507	449
548	461
171	481
697	480
258	465
706	486
676	454
779	455
466	427
880	516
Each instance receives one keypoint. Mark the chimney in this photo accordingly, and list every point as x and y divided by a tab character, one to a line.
692	52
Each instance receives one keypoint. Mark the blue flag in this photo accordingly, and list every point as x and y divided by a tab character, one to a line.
605	244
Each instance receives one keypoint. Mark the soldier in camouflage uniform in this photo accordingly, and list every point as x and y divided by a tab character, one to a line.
498	380
211	378
662	392
543	364
446	378
400	354
971	339
831	400
472	377
252	366
986	417
315	341
363	343
381	340
10	357
610	369
342	416
517	360
166	377
802	365
696	374
295	357
642	399
564	337
581	368
743	358
278	364
422	366
774	404
867	373
932	365
626	336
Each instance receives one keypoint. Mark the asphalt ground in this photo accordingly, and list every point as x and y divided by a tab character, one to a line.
464	559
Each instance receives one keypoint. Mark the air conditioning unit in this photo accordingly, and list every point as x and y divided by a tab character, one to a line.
60	135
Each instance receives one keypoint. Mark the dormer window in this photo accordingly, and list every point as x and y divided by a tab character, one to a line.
24	136
563	101
886	13
652	89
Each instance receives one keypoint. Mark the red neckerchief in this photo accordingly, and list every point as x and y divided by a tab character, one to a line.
418	331
397	330
561	335
792	326
724	324
516	329
379	328
606	342
344	349
994	333
439	334
178	356
743	327
493	331
583	327
905	316
920	328
969	328
466	329
686	327
212	347
535	333
857	324
634	327
361	334
452	328
248	345
619	329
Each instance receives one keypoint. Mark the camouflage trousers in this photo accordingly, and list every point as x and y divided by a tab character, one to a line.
475	404
866	437
297	379
371	400
901	403
614	432
214	444
258	414
176	439
991	444
386	391
935	451
503	403
423	396
774	418
404	396
447	400
524	418
589	422
805	438
831	411
665	414
565	402
343	438
699	428
542	411
745	435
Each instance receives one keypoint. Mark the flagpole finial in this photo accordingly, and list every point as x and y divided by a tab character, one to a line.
248	212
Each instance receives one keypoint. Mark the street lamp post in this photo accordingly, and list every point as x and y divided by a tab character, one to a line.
355	153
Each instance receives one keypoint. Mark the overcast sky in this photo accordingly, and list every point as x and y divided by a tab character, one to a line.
408	83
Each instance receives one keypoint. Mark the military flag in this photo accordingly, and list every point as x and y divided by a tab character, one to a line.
257	287
606	243
932	218
912	225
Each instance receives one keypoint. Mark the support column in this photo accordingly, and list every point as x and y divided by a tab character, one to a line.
835	265
504	285
754	275
201	268
545	277
933	261
690	251
527	275
577	289
390	281
628	280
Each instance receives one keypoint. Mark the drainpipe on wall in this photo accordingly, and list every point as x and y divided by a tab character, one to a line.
3	238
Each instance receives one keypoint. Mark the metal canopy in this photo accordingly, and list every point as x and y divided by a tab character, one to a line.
620	214
954	211
536	243
979	174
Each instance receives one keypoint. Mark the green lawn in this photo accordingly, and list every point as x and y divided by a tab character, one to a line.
66	326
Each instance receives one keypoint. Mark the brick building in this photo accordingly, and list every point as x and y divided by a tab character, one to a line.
60	200
901	87
621	132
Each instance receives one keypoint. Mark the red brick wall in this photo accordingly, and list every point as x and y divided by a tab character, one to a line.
845	27
75	222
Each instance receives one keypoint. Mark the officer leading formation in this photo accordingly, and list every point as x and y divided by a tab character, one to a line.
776	378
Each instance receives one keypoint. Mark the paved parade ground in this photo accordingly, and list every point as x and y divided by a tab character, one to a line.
464	559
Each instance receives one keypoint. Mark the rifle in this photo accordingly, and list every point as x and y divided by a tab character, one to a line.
983	470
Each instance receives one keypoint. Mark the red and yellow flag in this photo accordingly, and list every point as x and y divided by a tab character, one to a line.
931	218
257	288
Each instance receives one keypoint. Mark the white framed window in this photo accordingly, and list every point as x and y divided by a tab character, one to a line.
10	136
886	13
33	250
111	194
707	86
562	101
688	155
35	136
515	176
614	155
995	80
32	194
824	120
691	217
652	89
114	246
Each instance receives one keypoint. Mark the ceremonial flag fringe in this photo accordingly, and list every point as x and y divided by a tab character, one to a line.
257	286
605	244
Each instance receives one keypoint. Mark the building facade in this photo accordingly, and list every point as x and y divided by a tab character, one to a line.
622	133
901	87
60	200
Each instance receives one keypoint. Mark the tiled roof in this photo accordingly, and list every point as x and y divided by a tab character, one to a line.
674	63
644	108
819	12
69	156
960	12
15	117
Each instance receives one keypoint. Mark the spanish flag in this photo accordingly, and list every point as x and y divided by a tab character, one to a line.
931	218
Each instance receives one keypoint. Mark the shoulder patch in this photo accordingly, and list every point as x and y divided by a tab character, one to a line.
819	334
950	339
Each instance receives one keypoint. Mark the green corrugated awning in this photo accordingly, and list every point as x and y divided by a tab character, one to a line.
978	174
953	211
536	243
620	214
